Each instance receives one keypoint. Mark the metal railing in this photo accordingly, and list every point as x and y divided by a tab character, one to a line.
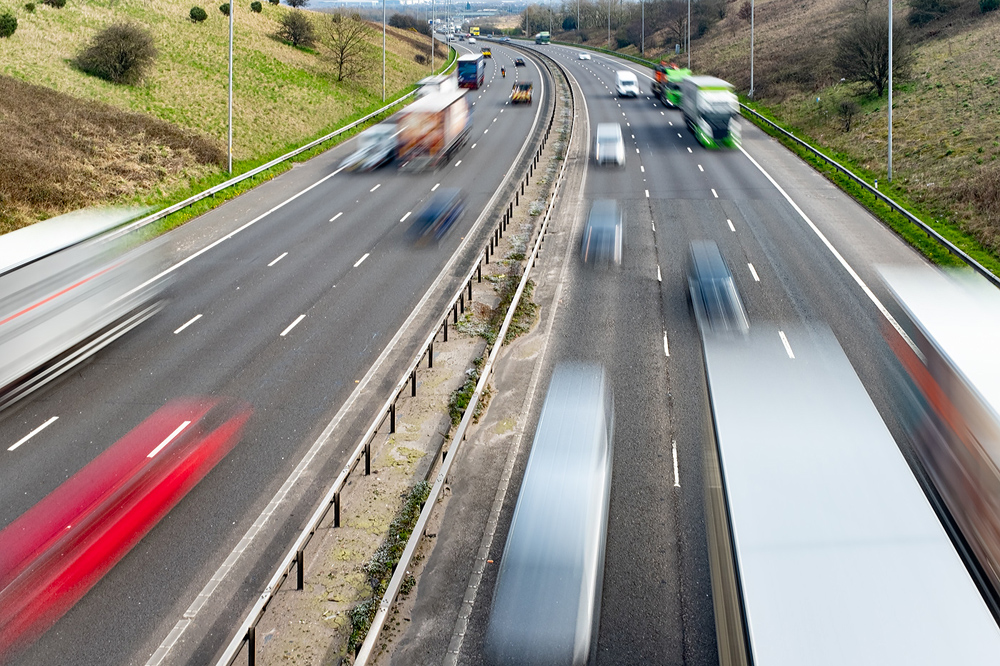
295	558
399	574
933	233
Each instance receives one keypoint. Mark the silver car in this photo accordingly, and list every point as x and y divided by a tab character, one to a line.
603	235
610	145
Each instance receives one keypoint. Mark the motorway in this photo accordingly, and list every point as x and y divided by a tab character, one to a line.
801	251
297	298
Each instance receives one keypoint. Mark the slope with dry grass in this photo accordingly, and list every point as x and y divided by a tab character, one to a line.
81	156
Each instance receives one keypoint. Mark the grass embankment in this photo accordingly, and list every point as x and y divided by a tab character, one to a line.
946	116
283	97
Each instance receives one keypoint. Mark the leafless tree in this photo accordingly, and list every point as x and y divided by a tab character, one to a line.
346	38
862	52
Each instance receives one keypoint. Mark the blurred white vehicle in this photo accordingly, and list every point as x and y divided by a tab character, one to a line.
609	146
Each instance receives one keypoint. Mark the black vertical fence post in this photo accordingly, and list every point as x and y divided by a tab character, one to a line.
413	384
336	509
392	418
252	645
368	457
300	569
444	325
430	352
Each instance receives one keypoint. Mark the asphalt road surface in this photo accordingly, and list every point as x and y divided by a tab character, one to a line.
293	307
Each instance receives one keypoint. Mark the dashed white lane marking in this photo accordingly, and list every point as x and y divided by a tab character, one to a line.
637	150
280	257
365	256
643	169
460	161
474	145
659	276
653	224
435	187
189	322
753	271
296	322
677	478
671	124
15	445
376	187
714	193
403	219
679	135
784	341
663	114
170	438
689	148
666	347
336	216
731	227
647	194
701	169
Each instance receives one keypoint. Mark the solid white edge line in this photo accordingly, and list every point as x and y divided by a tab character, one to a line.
784	341
753	271
282	256
170	438
31	434
843	262
189	322
677	476
293	324
358	262
336	216
403	219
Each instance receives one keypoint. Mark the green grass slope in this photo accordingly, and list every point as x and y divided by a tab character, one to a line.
283	96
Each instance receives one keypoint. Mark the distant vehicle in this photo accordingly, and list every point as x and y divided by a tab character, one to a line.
438	215
452	38
667	85
626	84
505	39
472	40
603	235
437	83
521	93
609	146
547	599
62	546
471	70
432	129
376	146
711	111
518	62
714	298
542	38
583	55
474	31
487	52
69	286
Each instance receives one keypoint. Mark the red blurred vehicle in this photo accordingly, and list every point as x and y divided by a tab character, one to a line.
60	548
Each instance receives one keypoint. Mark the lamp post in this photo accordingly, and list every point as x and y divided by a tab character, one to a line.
890	91
751	47
433	28
383	50
232	7
642	47
689	34
609	24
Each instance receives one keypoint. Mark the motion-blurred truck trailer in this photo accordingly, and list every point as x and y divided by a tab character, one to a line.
711	111
667	84
432	129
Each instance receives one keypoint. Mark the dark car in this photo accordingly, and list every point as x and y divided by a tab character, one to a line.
716	302
438	215
518	62
603	234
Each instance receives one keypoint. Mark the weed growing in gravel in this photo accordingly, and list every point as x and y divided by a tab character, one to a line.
379	568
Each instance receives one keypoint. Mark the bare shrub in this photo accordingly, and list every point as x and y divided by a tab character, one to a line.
847	109
346	38
121	53
746	11
981	191
8	24
297	29
297	3
924	11
862	52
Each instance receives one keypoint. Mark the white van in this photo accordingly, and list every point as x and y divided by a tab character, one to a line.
610	146
626	84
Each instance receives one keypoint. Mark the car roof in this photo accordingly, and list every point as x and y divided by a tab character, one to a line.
707	262
604	212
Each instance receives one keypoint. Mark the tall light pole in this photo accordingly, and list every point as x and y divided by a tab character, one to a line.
751	47
890	91
609	24
689	35
433	28
642	48
232	7
383	50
